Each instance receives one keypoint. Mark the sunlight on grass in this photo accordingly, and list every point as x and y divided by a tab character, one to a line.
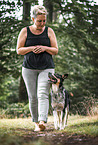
83	125
13	131
16	123
76	124
16	126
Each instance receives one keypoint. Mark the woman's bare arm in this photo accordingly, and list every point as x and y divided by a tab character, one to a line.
21	42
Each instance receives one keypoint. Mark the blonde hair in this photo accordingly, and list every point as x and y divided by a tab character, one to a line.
38	10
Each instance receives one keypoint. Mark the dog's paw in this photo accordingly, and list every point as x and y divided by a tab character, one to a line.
56	127
61	128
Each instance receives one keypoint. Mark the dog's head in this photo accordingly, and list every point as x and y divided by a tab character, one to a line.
56	80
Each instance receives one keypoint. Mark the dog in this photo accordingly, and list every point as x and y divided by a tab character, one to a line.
59	100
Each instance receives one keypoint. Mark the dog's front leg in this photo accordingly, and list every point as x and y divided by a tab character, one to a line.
61	121
58	118
55	119
66	116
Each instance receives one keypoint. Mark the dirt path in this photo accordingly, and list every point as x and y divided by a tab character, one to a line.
53	137
61	139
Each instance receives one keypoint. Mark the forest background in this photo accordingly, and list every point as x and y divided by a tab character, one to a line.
75	23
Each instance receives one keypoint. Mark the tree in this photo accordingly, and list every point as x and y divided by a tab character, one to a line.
10	62
49	7
8	59
52	9
26	10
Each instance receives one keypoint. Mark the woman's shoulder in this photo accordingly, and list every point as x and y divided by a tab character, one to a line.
23	32
50	31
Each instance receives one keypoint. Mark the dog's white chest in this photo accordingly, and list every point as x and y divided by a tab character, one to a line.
55	88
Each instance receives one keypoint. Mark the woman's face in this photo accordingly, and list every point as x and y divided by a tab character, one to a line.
40	21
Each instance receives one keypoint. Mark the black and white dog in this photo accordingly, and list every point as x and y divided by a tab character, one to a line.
60	100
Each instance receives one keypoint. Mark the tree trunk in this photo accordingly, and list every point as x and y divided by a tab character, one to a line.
55	14
49	6
26	10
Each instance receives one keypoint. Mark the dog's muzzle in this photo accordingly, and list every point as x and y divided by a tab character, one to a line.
53	79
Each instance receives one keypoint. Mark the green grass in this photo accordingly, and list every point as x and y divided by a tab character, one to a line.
13	129
76	124
15	126
81	125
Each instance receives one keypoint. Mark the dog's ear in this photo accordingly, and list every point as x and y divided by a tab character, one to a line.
64	76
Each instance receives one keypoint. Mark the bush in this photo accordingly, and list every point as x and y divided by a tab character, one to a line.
88	106
15	110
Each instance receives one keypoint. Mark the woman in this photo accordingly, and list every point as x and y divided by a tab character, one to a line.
37	43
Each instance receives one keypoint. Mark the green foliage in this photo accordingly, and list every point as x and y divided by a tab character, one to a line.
9	92
15	110
10	62
85	105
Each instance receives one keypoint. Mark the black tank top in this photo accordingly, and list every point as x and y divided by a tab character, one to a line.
38	61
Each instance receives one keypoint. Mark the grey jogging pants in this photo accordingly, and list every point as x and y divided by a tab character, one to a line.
37	85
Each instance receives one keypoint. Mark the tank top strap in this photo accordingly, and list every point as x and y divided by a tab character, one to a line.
46	30
28	31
